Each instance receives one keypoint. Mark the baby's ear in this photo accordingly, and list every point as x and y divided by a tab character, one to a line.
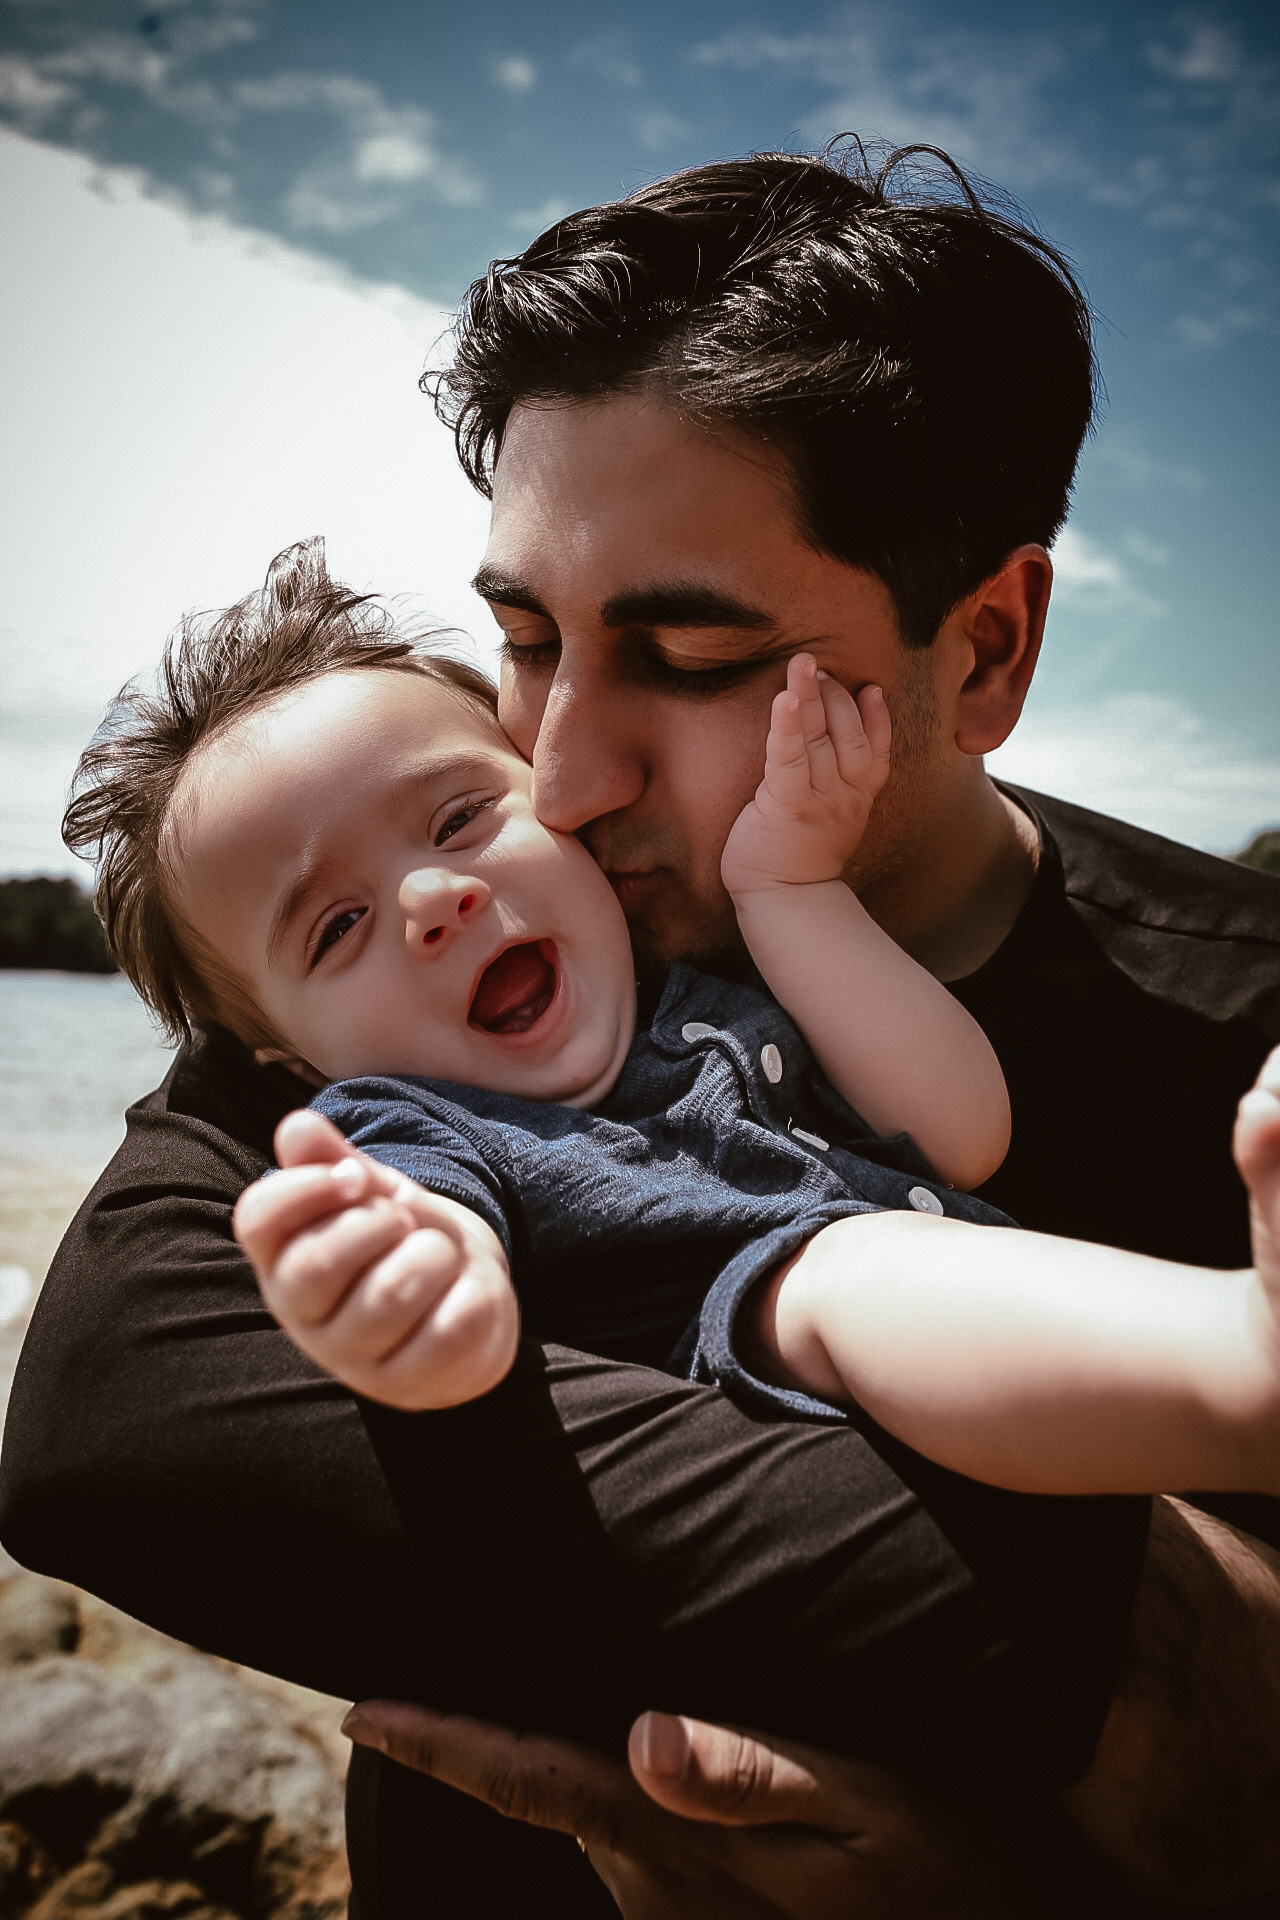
277	1057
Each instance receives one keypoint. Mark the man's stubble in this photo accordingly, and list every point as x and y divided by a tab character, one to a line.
694	920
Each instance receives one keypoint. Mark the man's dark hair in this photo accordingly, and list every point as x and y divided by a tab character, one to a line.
923	359
216	669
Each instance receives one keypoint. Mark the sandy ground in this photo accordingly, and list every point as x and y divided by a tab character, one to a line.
36	1207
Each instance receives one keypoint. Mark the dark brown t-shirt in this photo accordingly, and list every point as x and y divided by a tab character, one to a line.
1130	1007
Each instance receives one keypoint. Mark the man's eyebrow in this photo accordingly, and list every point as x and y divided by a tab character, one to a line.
492	584
681	604
661	604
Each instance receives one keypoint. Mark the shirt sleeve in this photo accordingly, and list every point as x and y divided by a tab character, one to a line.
415	1131
711	1349
709	1352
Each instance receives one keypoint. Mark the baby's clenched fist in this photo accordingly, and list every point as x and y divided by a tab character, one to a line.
403	1295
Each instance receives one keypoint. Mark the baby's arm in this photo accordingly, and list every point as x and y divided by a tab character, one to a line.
894	1042
403	1295
1047	1365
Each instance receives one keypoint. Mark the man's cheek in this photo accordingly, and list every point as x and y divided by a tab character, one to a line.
520	711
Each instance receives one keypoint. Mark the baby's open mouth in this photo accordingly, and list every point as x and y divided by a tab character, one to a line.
516	989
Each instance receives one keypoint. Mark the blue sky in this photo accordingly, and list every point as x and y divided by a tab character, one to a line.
407	144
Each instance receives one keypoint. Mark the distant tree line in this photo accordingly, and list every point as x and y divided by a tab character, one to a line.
51	923
1263	851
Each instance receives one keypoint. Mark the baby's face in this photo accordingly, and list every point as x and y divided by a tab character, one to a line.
365	856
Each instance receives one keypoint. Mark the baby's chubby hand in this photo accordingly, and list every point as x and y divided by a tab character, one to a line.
826	759
403	1295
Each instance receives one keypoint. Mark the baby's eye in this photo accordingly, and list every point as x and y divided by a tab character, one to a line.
333	930
460	817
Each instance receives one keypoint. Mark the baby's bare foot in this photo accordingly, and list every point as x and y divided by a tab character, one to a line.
1257	1151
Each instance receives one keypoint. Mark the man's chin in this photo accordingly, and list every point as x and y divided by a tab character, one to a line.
710	942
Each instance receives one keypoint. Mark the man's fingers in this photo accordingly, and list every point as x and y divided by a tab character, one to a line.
723	1774
545	1782
745	1779
830	1835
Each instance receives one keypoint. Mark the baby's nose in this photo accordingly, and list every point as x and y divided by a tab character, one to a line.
435	902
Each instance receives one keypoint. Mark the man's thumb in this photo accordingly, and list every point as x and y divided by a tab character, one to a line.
721	1774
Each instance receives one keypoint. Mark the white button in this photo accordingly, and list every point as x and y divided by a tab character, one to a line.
925	1202
771	1061
697	1030
816	1140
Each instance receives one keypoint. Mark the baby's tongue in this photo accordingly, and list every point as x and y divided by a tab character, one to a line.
514	991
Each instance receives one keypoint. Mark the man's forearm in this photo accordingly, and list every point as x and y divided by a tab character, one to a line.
1184	1795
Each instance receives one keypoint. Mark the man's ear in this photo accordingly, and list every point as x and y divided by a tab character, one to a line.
277	1057
998	631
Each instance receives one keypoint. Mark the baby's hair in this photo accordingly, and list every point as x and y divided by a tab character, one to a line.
216	669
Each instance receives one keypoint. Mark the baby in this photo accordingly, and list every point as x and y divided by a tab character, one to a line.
343	851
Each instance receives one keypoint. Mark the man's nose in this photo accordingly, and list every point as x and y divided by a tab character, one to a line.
436	903
586	759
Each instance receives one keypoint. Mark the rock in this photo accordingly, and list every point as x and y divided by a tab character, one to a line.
140	1780
37	1617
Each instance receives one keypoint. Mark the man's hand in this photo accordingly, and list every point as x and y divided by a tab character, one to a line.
402	1294
826	759
729	1825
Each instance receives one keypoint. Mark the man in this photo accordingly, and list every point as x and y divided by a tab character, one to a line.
755	408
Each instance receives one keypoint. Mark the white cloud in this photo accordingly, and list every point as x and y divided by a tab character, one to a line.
749	47
658	131
1091	578
26	93
1114	460
1207	52
610	57
516	73
531	221
1216	327
121	58
1197	170
181	402
375	159
975	93
1148	760
392	156
1151	552
381	151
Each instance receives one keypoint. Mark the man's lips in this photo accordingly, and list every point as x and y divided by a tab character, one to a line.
515	989
632	883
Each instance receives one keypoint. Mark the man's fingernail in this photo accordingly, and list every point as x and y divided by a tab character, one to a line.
664	1745
363	1731
1270	1075
347	1177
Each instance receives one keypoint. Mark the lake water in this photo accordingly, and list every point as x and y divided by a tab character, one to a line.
75	1050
